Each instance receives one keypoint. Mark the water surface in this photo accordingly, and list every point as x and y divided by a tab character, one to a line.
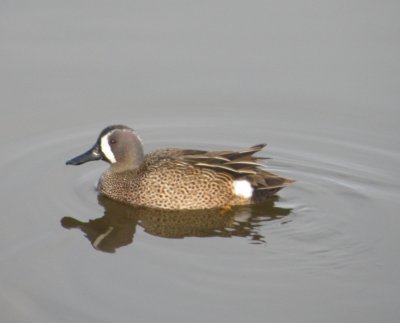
317	81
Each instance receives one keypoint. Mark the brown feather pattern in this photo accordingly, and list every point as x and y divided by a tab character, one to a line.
239	164
174	178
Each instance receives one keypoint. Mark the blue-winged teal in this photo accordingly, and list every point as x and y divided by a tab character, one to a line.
178	178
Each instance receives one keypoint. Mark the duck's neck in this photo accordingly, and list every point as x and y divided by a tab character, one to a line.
136	154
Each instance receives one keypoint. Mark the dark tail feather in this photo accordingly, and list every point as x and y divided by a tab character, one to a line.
266	184
261	195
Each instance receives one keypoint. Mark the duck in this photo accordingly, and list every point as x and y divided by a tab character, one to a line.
178	179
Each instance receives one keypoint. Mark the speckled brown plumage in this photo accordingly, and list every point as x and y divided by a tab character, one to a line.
175	179
179	178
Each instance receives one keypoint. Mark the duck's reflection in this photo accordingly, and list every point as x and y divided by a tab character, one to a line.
118	225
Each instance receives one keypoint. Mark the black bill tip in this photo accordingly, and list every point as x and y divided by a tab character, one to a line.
88	156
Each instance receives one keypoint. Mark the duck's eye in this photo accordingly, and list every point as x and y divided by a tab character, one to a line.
113	141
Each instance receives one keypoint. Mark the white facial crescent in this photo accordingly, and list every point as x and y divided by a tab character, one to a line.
106	149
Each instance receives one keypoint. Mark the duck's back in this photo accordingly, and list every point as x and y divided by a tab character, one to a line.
180	179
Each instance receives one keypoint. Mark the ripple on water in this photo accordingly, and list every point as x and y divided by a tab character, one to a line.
331	202
316	219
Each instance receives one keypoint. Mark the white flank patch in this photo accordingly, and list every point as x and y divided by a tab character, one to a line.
106	149
242	188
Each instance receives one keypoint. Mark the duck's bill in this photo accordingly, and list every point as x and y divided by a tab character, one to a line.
90	155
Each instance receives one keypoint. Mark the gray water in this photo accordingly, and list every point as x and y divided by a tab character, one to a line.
317	80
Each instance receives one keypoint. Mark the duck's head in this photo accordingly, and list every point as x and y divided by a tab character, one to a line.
117	145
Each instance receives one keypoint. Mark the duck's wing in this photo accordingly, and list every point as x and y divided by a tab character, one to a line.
240	164
237	163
